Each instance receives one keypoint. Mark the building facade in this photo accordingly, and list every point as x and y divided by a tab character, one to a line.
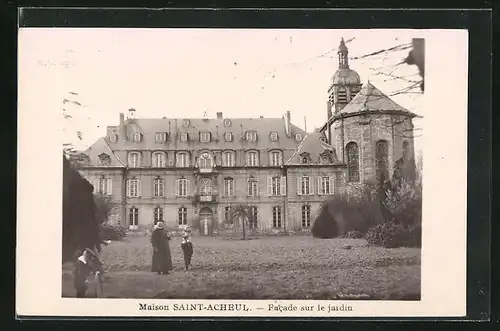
188	171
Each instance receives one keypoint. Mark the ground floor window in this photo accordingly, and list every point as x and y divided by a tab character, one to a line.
133	217
306	216
277	217
252	218
182	216
227	215
158	215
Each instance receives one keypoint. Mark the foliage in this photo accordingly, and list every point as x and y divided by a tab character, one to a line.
354	234
324	225
240	214
104	208
284	267
112	232
391	235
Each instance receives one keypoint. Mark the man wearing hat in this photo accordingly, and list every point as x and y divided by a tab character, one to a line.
162	260
83	268
187	249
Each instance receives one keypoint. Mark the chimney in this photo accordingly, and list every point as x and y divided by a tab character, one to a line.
122	134
288	124
219	115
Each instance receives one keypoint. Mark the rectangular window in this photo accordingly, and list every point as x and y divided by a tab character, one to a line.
104	186
275	159
277	217
325	185
228	186
228	159
182	187
253	217
276	186
227	214
306	185
184	137
205	137
182	217
251	135
160	137
306	216
159	187
182	160
133	217
158	215
134	161
133	188
252	160
159	160
253	187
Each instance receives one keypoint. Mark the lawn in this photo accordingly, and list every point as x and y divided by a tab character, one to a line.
281	267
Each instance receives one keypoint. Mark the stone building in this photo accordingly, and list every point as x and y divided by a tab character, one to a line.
194	171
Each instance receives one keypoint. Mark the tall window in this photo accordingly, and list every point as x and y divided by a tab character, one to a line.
158	215
159	187
382	160
133	217
276	186
305	184
134	160
137	137
252	219
306	216
205	161
182	216
159	159
325	185
253	187
228	186
205	186
227	215
182	160
275	158
228	159
104	187
252	159
352	162
133	188
277	217
182	187
405	150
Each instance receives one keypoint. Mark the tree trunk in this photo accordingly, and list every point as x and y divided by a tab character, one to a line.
244	228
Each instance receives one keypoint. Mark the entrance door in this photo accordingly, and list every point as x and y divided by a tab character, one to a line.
206	217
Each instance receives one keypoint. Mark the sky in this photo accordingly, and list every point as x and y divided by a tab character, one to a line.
189	72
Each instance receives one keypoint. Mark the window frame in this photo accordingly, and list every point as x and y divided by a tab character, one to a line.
252	187
137	162
305	216
228	185
163	137
205	137
182	156
353	168
158	215
278	160
249	158
277	213
182	216
231	155
158	187
133	217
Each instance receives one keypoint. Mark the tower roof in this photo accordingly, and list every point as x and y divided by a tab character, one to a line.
342	47
371	98
344	75
315	147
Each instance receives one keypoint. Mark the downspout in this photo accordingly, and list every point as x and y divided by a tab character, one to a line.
124	198
285	202
343	138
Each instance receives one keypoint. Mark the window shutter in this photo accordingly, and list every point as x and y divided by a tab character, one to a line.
177	187
332	184
311	186
299	186
109	185
269	186
283	185
128	187
320	187
138	187
188	187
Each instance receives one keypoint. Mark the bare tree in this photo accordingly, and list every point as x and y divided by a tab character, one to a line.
240	214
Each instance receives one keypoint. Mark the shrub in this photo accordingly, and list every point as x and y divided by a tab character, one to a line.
324	225
112	232
392	235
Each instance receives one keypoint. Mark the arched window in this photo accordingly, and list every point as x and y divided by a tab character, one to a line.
252	159
205	186
182	160
228	159
159	159
405	150
134	160
382	161
205	161
306	159
276	159
352	162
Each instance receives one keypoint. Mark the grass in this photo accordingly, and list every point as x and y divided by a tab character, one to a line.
287	267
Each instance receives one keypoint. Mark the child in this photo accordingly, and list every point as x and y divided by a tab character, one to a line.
187	249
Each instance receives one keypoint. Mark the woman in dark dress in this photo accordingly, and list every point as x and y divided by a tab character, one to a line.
162	260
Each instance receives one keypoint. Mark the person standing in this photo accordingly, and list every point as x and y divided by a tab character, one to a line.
162	260
82	270
187	249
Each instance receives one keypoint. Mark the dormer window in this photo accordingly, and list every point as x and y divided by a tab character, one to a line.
184	136
104	159
228	136
298	137
137	137
185	123
251	136
324	159
274	136
113	137
204	137
160	137
227	122
306	160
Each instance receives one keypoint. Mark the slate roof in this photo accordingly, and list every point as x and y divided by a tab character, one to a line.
371	98
312	145
99	147
238	127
